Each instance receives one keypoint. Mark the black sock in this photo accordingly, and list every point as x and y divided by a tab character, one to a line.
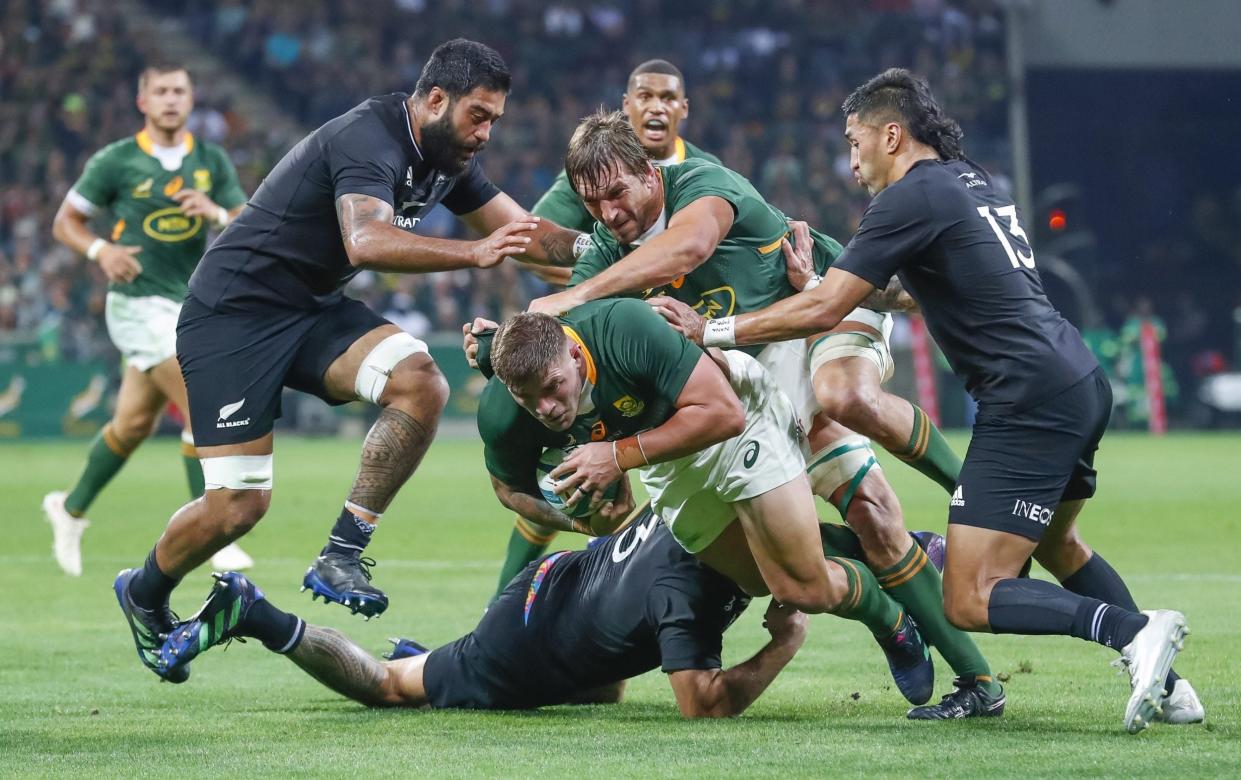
1020	606
350	535
1098	580
278	631
151	588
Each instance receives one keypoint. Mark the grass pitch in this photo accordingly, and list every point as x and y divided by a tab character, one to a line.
76	702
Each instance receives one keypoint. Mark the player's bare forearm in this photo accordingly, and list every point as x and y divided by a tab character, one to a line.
804	314
372	242
555	245
725	693
891	298
532	508
707	412
334	660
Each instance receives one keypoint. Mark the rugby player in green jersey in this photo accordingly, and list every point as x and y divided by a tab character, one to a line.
655	103
716	443
701	234
161	190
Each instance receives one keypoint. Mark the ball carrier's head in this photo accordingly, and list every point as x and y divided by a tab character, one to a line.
611	172
458	99
893	121
543	369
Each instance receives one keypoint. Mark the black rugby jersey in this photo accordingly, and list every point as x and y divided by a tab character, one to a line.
625	606
285	249
959	249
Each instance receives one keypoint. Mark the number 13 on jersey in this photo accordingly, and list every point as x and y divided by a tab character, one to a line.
1010	212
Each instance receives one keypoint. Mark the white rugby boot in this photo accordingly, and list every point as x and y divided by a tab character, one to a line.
1182	705
66	533
1148	658
231	558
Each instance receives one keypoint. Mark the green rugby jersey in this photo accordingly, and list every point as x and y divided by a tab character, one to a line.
636	366
129	182
747	270
561	204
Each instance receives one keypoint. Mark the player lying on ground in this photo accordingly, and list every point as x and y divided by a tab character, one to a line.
160	189
715	440
569	629
266	310
703	234
958	247
656	102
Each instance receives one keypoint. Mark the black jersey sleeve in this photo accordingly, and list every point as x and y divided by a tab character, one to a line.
897	225
687	639
471	191
356	168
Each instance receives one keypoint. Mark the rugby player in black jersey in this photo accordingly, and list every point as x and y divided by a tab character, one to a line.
957	245
266	310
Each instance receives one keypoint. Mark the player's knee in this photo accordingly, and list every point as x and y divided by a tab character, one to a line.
237	511
1062	555
854	406
417	382
965	608
812	596
134	427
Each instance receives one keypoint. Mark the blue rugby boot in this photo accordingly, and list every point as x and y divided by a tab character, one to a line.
149	627
404	648
215	622
909	660
345	579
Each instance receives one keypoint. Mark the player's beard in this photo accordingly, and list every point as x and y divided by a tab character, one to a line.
442	149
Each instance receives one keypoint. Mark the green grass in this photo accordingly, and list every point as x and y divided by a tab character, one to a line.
74	700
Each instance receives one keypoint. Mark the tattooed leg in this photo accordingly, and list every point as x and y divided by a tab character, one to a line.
334	660
392	451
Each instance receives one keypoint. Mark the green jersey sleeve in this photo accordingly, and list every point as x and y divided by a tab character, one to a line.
511	447
227	191
695	179
561	205
649	353
99	181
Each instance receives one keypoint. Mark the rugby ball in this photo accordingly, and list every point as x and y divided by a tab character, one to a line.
549	460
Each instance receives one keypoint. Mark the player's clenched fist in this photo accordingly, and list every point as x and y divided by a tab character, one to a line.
785	624
510	240
471	331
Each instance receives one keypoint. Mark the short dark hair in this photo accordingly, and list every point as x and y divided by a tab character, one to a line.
525	347
158	68
460	66
897	95
656	66
603	143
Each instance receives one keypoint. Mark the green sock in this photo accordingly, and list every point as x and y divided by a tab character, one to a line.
866	602
527	542
840	540
106	457
915	583
928	452
193	469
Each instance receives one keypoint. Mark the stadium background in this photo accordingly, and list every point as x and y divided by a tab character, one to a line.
1127	121
1119	142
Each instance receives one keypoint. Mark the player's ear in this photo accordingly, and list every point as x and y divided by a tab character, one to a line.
437	102
892	136
684	107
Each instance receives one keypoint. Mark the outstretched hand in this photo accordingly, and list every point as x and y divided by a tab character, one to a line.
680	316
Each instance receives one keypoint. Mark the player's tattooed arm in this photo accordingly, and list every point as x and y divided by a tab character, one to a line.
331	658
891	298
559	244
372	241
535	509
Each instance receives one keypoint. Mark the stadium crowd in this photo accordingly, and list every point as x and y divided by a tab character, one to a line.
68	67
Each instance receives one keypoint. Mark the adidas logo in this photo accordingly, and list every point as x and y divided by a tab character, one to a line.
958	497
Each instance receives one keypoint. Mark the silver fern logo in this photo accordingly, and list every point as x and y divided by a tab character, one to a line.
227	411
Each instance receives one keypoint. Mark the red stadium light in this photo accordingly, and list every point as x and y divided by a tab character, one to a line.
1056	220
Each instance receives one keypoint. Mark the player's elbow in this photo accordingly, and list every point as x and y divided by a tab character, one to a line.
61	226
730	418
358	248
707	704
693	252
